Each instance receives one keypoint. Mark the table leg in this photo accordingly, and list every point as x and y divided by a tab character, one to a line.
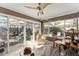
59	50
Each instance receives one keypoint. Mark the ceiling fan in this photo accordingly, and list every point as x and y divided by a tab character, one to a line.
40	8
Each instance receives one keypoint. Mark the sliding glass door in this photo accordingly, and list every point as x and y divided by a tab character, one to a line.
29	31
3	35
15	34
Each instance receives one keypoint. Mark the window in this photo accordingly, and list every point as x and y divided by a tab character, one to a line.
64	25
16	37
3	35
29	31
37	26
71	23
46	28
12	34
53	25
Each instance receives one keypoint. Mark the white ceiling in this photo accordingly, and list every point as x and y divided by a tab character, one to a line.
52	10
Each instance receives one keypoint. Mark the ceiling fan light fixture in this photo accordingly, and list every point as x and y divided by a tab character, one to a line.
40	8
40	13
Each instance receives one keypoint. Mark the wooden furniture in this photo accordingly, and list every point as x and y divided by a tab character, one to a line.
72	33
71	48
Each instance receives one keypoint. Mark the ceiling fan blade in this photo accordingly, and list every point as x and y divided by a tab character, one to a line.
30	7
45	5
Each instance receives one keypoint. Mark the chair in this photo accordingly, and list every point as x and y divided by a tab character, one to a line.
1	51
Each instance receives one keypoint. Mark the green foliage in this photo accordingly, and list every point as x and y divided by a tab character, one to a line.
28	33
55	30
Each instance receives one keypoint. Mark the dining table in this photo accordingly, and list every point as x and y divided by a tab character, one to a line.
70	46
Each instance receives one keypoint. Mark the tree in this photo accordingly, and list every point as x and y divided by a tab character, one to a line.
55	30
28	33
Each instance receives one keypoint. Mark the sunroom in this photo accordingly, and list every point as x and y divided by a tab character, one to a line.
49	29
